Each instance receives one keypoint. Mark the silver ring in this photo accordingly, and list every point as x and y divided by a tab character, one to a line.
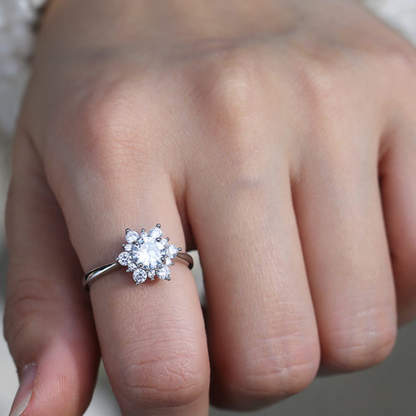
146	255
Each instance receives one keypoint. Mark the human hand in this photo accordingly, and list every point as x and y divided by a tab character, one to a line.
276	137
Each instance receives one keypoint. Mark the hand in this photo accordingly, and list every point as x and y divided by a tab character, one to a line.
276	137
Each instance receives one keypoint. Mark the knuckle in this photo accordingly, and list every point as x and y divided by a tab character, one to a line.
163	383
107	131
276	382
265	375
320	84
104	131
235	85
30	304
101	120
162	372
360	347
24	303
400	58
235	97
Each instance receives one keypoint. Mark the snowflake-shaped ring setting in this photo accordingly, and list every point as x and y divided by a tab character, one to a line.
146	255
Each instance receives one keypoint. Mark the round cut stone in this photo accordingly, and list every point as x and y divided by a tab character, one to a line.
164	273
124	258
132	237
132	266
155	233
172	251
148	254
151	274
162	243
128	247
139	276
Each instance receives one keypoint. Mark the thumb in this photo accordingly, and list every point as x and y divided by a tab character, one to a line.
48	321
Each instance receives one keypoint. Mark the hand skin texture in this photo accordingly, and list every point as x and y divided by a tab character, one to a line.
277	137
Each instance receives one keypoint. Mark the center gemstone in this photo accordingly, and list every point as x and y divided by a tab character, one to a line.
148	254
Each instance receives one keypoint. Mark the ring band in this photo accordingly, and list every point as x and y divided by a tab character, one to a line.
146	255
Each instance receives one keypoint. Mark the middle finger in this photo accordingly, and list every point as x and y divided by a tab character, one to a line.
261	324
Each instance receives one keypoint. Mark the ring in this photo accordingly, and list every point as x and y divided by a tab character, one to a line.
146	255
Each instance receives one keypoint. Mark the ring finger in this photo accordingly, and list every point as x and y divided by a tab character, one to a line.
152	336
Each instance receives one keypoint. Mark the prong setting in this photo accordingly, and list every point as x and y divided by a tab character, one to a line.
148	254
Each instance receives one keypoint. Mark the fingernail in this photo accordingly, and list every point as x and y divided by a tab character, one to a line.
24	394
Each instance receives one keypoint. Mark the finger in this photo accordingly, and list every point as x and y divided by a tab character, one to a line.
398	173
261	326
48	319
345	247
152	336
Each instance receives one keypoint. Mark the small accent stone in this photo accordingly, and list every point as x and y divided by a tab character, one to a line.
172	251
151	274
162	243
164	273
132	237
168	261
139	276
132	267
124	258
155	233
128	247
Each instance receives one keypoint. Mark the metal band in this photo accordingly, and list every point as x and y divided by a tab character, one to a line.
98	272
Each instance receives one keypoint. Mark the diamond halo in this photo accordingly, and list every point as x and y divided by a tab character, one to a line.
147	255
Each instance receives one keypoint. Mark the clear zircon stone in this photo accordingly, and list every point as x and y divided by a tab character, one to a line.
155	233
132	267
139	276
124	258
172	251
148	254
132	237
162	243
164	273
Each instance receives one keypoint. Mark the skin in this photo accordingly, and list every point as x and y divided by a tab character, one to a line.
277	137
